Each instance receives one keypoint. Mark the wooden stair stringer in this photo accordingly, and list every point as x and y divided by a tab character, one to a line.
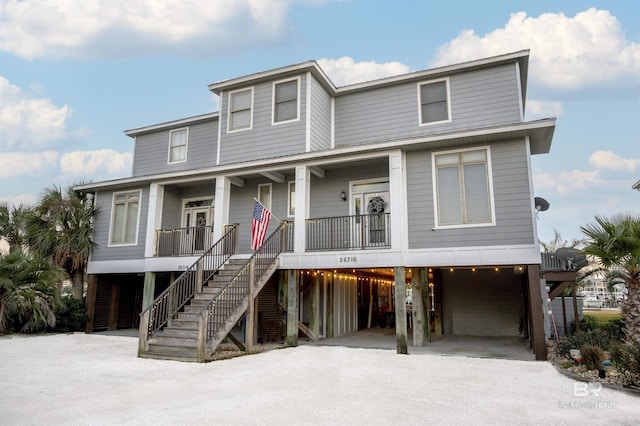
240	311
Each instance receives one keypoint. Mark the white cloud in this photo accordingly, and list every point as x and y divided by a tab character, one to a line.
26	163
345	70
543	109
567	182
104	162
609	161
16	200
98	28
566	52
26	121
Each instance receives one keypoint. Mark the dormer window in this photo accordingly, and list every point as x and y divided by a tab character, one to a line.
178	145
240	106
435	106
285	101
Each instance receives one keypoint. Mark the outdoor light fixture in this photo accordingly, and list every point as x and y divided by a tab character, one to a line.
343	195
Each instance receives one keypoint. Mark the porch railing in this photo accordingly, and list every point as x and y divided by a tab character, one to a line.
190	241
233	295
349	232
166	306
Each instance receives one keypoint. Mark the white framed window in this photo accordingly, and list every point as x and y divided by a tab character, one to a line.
178	145
264	195
463	188
286	95
240	110
291	201
434	102
125	215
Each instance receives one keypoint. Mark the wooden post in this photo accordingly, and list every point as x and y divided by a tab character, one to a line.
292	308
417	309
199	276
149	289
90	302
142	333
370	303
249	336
202	336
564	317
401	310
314	324
329	282
538	341
114	304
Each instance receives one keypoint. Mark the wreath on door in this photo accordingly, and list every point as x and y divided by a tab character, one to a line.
376	206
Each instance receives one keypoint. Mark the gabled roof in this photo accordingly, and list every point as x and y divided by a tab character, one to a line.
521	57
172	124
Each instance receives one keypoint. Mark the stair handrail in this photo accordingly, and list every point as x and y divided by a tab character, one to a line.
238	285
166	306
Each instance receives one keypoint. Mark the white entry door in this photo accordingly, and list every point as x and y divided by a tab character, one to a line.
196	224
370	224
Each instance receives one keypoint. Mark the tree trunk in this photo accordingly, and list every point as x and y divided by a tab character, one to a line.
77	284
631	312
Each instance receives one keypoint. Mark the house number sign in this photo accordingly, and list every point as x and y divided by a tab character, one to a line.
347	259
183	267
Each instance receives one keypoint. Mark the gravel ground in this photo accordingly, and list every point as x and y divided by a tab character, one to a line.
97	379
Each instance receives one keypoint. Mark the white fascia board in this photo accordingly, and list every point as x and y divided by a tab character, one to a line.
171	124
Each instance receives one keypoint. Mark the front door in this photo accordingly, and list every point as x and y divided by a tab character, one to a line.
196	229
370	205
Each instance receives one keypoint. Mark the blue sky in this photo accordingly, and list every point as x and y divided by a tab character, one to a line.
75	74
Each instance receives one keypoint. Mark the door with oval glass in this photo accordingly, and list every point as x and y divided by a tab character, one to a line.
196	223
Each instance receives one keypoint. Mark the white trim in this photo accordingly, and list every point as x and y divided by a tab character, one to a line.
490	184
121	266
113	199
229	96
221	206
186	145
307	115
211	208
333	122
520	100
448	89
534	217
171	124
154	217
273	101
398	199
133	161
219	133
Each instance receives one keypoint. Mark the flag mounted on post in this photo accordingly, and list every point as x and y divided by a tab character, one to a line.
259	225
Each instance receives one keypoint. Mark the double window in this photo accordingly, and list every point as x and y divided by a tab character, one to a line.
178	145
125	214
434	102
240	107
463	187
285	101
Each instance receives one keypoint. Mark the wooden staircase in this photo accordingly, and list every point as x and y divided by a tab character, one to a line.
178	341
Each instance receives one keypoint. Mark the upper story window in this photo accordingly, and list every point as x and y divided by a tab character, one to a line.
124	218
285	101
435	106
178	145
463	187
240	106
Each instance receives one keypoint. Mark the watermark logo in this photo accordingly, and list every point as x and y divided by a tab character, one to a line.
584	389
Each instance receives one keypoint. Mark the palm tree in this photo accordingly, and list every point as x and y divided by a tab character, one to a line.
615	243
60	229
29	293
13	224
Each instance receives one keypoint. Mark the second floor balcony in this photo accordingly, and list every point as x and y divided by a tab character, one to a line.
355	232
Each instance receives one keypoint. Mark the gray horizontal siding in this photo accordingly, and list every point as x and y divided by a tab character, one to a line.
264	140
171	208
512	201
478	99
320	117
152	150
104	201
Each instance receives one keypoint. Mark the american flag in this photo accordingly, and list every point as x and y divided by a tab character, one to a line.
259	225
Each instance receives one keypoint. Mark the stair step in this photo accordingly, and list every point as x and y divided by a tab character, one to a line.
175	341
182	332
185	351
184	323
168	357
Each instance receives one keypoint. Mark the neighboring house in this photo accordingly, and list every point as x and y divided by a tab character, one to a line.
420	180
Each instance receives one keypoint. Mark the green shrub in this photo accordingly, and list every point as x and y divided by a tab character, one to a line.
592	356
614	328
73	317
597	337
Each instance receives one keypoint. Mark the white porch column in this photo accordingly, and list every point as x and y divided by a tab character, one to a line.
398	199
303	187
221	206
154	217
